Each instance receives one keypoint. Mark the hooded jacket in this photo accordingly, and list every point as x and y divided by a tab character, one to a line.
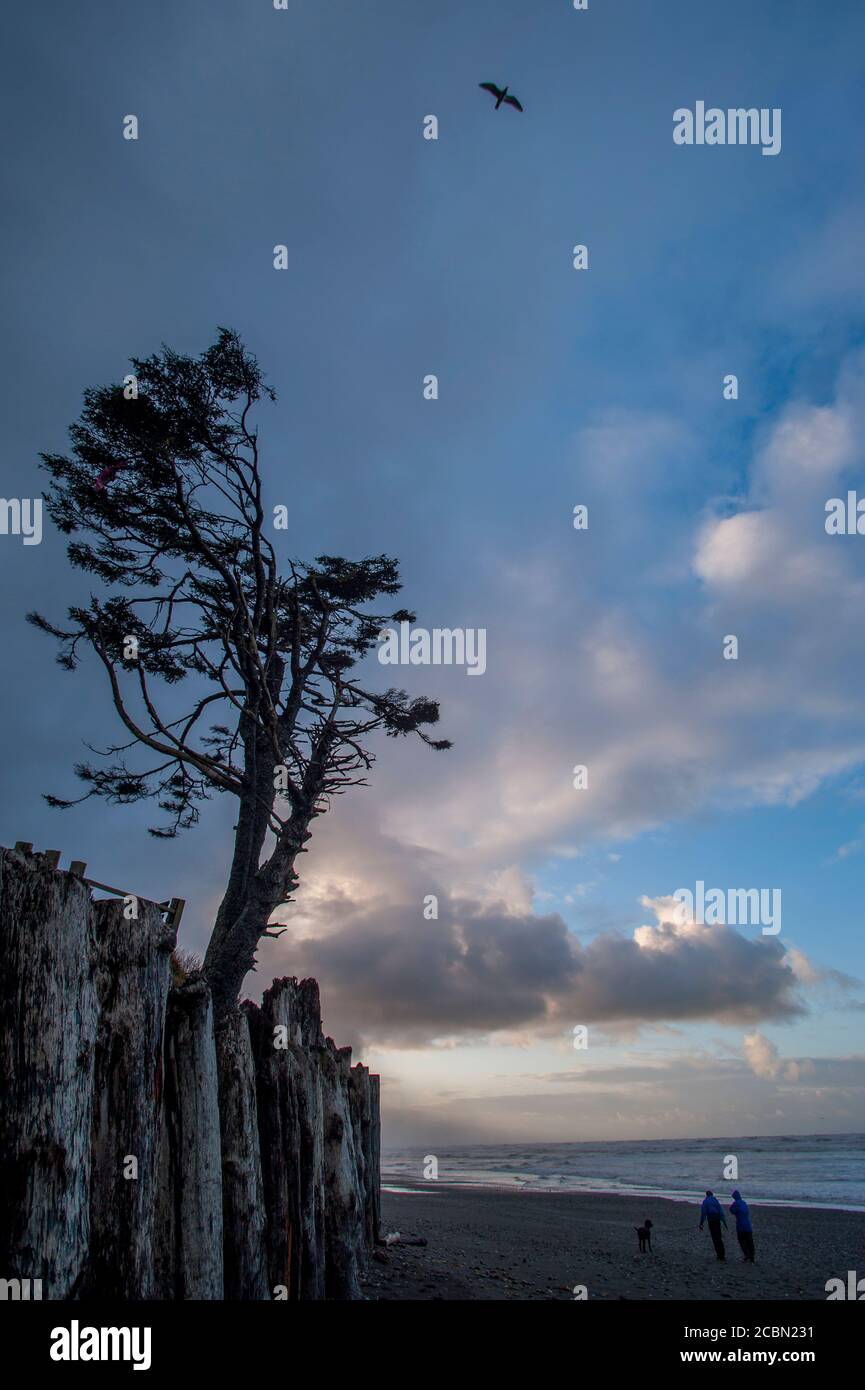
711	1211
739	1208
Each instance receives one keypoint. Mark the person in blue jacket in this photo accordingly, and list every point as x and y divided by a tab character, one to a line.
739	1208
711	1212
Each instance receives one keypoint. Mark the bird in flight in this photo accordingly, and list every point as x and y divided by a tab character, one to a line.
500	94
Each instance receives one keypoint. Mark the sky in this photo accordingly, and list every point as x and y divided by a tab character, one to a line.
557	387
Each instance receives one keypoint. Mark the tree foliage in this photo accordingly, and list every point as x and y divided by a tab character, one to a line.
162	497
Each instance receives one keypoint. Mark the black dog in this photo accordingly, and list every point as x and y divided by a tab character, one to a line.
644	1235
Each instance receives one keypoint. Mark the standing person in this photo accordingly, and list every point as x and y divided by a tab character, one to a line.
711	1211
744	1231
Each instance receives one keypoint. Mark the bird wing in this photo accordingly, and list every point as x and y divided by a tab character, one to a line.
512	101
491	87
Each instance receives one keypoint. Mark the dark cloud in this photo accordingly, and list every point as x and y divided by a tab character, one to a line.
390	977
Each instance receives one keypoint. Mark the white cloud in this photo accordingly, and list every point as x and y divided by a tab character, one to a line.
761	1056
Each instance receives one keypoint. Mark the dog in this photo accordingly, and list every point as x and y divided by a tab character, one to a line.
644	1235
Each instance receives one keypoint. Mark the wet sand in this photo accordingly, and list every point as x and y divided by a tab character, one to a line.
490	1244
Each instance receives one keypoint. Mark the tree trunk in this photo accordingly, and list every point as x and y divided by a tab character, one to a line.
231	952
249	837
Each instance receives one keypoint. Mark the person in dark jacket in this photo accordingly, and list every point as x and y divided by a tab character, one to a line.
744	1231
711	1212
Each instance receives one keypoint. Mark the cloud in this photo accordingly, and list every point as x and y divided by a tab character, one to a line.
821	1073
483	968
633	684
761	1056
849	849
639	693
774	552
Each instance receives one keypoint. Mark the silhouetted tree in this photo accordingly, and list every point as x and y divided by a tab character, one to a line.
163	493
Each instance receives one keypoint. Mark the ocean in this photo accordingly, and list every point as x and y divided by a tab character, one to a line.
817	1170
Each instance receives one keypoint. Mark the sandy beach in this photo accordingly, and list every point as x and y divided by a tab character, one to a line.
491	1244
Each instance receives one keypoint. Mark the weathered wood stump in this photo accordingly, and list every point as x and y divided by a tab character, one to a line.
343	1166
243	1222
287	1042
48	1022
141	1156
189	1235
132	980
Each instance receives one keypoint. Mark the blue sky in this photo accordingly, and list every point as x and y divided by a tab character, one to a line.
557	387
